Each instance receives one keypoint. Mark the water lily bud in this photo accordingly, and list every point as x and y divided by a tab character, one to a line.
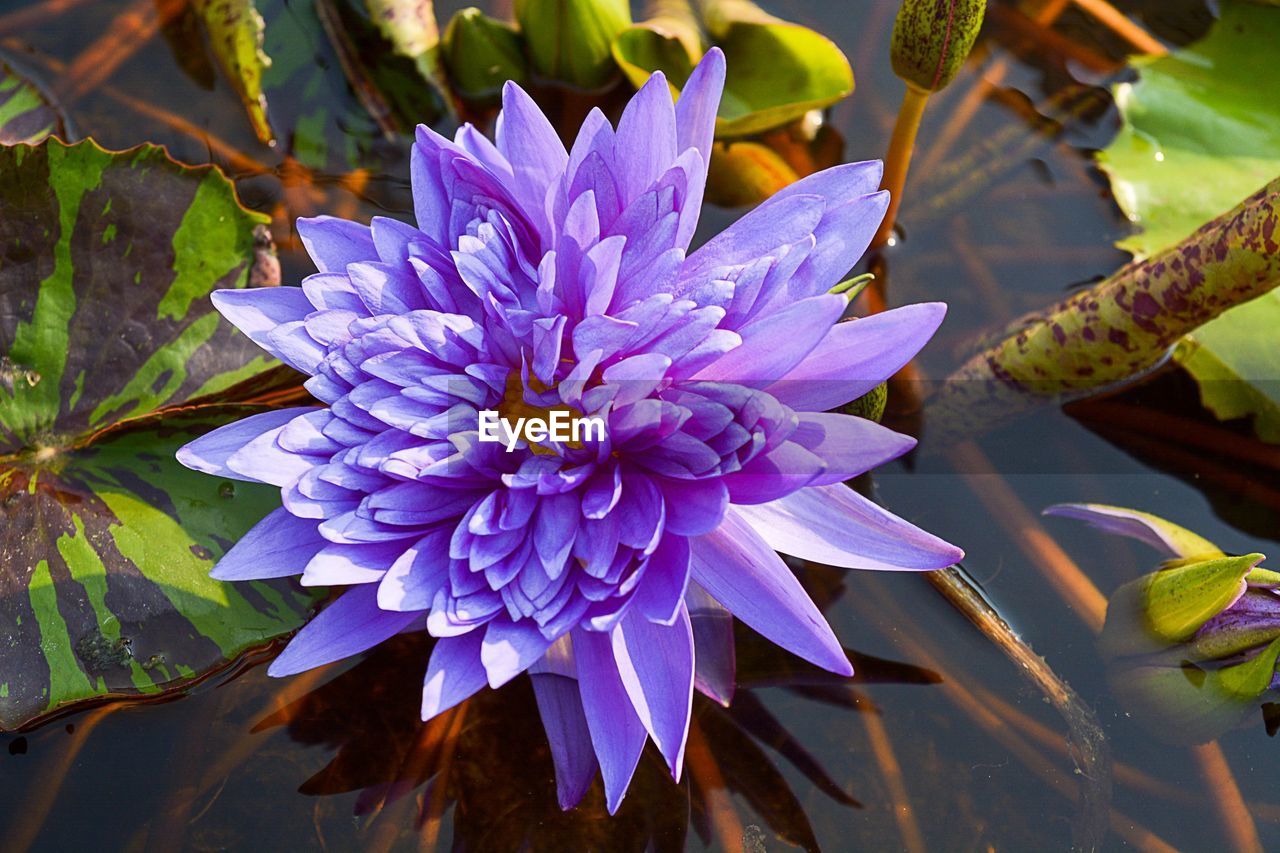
572	40
871	404
1193	647
932	39
481	54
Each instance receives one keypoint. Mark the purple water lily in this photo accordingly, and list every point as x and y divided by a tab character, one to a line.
538	280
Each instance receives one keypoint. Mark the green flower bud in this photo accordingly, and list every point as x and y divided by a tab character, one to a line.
932	39
871	404
571	40
481	54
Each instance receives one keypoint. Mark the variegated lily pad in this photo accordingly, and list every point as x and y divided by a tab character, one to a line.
107	334
27	114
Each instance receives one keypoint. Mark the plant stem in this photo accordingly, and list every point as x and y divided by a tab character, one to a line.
1115	20
1118	329
898	160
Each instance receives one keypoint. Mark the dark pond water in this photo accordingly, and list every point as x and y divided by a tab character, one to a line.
939	721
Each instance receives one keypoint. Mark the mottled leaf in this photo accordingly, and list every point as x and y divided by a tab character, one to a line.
236	32
27	114
1202	130
107	260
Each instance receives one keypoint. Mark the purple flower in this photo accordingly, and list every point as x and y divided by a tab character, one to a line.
540	281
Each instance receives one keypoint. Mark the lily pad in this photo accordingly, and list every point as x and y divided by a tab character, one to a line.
107	337
27	114
776	70
1201	132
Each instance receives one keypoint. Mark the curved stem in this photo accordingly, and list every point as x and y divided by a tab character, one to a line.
898	160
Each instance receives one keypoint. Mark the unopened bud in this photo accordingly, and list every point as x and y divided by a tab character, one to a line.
572	40
481	54
932	39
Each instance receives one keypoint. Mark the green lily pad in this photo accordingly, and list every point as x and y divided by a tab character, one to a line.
1201	132
26	113
776	70
107	336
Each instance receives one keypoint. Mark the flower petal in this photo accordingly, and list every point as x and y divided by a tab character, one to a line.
209	453
848	445
454	673
258	311
616	732
509	648
714	659
837	526
742	572
655	663
1155	531
857	356
771	347
560	707
279	545
350	625
333	243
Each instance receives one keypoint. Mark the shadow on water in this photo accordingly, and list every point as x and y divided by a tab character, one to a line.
938	721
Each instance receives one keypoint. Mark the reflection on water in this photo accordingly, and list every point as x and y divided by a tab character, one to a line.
951	743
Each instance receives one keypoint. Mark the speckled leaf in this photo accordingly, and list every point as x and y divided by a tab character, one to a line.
236	33
26	113
1201	131
106	263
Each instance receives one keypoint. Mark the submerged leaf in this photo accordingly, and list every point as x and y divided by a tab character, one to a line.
27	114
236	32
1201	130
105	540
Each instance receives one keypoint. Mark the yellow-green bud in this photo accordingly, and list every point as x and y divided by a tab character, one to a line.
870	405
481	54
572	40
932	39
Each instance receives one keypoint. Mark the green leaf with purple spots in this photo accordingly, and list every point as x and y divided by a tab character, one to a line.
27	114
109	352
1202	131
